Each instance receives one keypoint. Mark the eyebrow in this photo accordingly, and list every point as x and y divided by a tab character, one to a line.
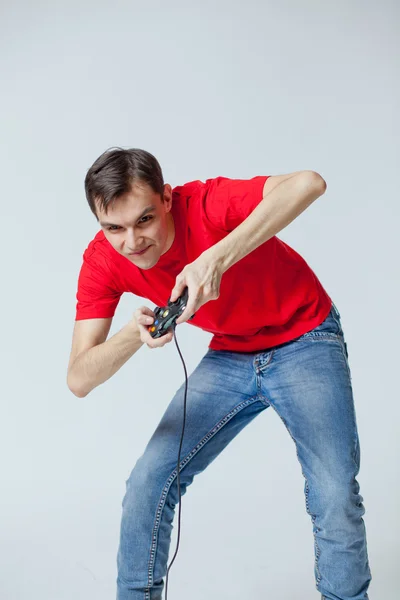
146	210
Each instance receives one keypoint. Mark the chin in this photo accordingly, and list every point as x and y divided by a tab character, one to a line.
143	264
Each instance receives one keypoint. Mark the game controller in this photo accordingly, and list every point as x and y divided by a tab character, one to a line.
165	316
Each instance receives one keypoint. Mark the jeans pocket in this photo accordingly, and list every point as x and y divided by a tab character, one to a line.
335	308
330	327
335	314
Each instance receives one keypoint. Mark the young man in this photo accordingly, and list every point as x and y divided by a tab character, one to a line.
277	341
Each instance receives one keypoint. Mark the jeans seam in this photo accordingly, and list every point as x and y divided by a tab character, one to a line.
313	517
182	464
346	359
338	322
318	334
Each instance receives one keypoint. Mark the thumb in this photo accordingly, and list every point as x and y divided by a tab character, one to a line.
177	291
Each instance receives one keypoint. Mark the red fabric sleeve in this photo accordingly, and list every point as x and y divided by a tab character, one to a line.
97	296
228	202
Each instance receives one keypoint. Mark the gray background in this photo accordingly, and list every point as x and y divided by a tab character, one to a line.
226	88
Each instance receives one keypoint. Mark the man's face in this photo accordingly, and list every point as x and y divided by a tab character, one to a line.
139	220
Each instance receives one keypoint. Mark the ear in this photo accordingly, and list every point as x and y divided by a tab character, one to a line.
166	197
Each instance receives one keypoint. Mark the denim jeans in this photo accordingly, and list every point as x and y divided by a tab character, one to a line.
307	381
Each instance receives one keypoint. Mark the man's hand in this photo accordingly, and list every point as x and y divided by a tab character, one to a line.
143	317
202	277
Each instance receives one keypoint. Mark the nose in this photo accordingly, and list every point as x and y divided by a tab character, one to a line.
131	242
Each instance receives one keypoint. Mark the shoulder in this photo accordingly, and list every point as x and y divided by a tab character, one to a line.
228	201
190	188
98	260
97	247
235	185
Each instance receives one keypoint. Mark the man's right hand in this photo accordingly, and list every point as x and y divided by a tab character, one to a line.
143	317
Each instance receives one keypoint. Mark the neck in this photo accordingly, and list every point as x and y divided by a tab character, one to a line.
171	232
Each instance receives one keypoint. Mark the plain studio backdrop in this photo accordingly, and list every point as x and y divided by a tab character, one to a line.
214	88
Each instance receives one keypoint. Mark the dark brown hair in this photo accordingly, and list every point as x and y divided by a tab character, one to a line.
114	173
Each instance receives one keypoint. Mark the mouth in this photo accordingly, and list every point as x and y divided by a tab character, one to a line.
140	252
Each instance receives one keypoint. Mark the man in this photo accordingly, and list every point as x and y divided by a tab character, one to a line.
277	341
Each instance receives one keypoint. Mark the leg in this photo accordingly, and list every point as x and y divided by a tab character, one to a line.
222	399
308	383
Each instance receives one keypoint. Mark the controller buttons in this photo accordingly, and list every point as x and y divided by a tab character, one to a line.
165	313
152	328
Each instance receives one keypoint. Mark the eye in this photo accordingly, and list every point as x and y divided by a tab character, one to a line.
117	227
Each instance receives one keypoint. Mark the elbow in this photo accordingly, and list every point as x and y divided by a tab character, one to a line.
75	389
78	393
318	181
323	185
312	185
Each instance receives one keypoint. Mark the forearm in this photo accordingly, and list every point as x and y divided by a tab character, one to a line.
275	211
94	366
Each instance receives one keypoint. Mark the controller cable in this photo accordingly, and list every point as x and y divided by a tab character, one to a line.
179	458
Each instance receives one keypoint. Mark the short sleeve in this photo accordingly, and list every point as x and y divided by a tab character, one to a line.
228	202
97	296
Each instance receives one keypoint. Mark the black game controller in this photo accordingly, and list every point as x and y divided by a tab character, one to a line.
165	316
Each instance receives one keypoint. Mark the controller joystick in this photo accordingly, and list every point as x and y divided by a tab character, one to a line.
165	316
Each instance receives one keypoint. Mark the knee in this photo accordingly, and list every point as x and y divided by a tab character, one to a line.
141	482
334	496
342	499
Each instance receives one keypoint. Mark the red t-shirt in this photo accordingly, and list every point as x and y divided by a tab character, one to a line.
269	297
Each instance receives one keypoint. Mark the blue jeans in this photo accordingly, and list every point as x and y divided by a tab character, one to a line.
307	381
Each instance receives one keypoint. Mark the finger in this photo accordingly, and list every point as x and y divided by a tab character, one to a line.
166	338
144	333
177	291
145	319
160	342
153	342
144	310
187	313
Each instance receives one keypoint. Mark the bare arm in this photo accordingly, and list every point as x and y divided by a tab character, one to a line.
93	360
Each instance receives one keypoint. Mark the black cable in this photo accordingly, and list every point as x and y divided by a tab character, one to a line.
179	460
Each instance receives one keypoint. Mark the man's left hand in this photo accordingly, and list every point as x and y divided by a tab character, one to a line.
202	277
